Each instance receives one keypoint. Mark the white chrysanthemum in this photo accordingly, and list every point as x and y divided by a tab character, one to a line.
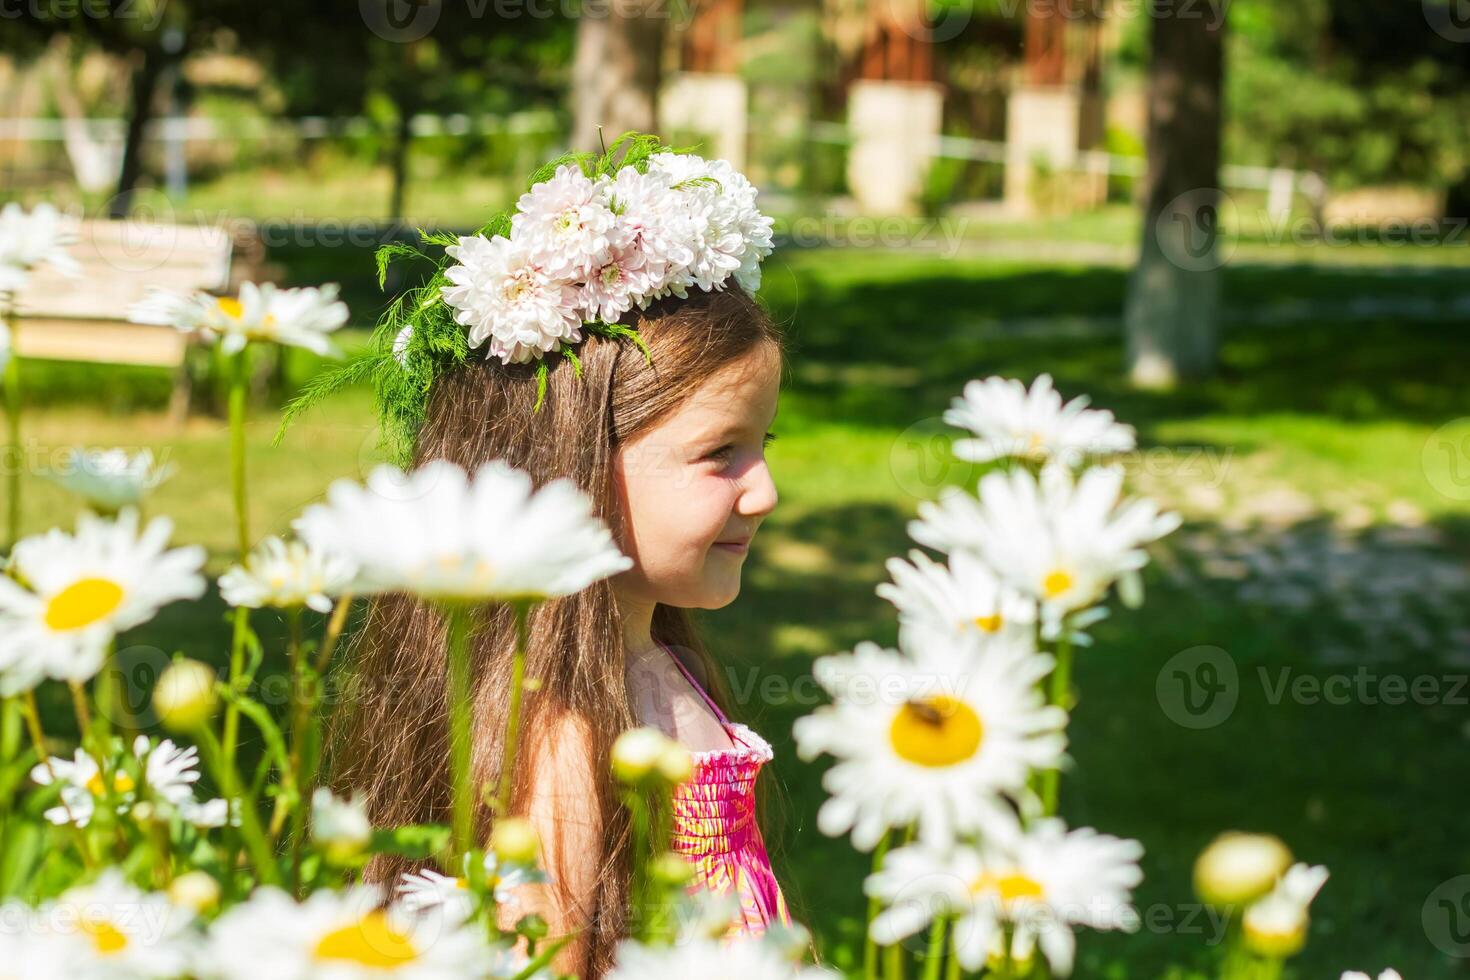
660	225
1059	541
937	602
110	479
732	236
31	952
565	225
440	535
116	931
342	826
507	300
286	575
940	738
1008	420
744	958
1276	926
294	317
28	240
615	286
169	771
346	935
68	595
1041	883
428	890
400	345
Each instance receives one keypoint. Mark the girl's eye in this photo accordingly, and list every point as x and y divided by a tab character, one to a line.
722	453
769	438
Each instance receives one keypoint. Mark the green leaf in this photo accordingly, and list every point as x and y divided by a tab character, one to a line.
413	841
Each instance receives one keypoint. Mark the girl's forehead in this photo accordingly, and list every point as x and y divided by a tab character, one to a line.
742	390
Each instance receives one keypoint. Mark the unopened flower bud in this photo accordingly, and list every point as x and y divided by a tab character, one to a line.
670	869
195	891
675	764
1239	868
636	754
514	840
184	697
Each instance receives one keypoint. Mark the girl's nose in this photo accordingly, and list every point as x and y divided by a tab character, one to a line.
759	496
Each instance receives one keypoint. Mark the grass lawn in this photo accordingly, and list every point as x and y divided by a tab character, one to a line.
1327	534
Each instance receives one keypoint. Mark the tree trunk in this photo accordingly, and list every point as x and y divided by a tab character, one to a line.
615	74
144	84
1173	306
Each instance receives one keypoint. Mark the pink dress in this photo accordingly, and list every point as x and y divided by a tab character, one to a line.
714	824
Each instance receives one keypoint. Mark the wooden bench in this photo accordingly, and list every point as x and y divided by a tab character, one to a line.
86	318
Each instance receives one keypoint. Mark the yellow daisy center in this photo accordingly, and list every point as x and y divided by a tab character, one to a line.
106	937
371	941
937	731
1009	886
121	783
231	307
1056	583
990	624
83	603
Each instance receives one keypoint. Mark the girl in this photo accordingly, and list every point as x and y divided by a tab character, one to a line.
673	454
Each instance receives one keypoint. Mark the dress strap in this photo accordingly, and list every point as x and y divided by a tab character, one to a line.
695	684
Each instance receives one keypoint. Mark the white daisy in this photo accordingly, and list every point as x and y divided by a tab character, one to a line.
428	890
68	595
936	602
742	958
507	300
169	772
29	240
1007	420
286	575
732	235
1060	542
1276	926
439	535
110	479
565	224
292	317
346	935
341	826
941	738
31	952
1358	975
1041	883
116	931
5	342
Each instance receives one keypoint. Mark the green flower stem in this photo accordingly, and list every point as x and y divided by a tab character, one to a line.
870	948
298	701
458	654
522	610
1059	694
12	419
229	783
239	378
952	967
38	740
934	955
639	887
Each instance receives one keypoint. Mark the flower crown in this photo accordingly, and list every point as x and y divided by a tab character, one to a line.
592	238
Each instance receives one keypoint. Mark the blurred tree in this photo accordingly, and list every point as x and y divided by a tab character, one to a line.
398	58
151	36
615	76
1379	92
1172	310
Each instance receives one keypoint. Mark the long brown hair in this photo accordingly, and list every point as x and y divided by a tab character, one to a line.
392	746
